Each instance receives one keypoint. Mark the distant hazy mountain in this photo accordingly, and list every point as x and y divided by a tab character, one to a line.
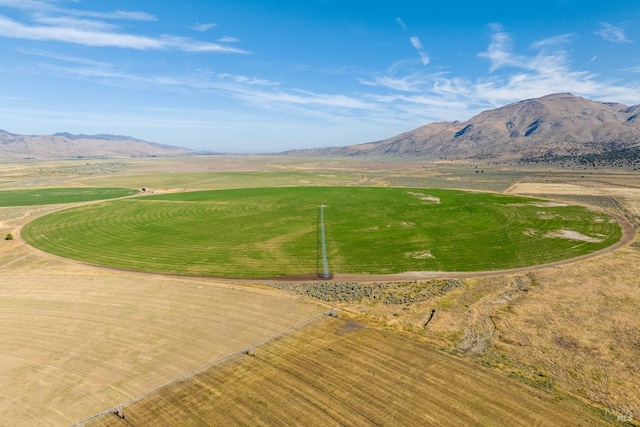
559	128
67	145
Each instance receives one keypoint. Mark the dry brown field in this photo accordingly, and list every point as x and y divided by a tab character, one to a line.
336	372
78	339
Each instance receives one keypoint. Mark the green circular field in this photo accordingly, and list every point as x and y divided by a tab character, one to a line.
51	196
271	232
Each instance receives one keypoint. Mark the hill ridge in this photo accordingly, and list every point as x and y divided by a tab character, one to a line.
557	128
68	145
103	136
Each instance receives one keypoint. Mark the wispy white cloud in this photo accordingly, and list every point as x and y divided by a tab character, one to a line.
499	49
252	81
401	23
404	95
13	98
255	91
414	82
28	4
200	79
511	76
204	27
546	72
551	59
401	97
117	15
554	41
415	42
335	70
228	39
612	33
74	22
307	98
49	23
102	38
61	57
44	6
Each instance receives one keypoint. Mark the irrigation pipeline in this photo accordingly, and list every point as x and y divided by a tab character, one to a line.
118	409
325	263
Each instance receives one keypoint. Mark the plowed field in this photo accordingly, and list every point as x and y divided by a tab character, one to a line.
335	372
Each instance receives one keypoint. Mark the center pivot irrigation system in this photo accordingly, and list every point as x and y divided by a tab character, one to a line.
322	245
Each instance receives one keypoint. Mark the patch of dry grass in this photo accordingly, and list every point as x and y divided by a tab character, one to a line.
580	327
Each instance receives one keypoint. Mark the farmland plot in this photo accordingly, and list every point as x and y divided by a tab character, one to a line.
338	372
268	232
74	342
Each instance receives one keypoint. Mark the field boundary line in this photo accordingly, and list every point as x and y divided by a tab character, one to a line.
118	411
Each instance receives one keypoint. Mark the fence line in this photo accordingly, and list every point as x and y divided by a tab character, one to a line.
118	409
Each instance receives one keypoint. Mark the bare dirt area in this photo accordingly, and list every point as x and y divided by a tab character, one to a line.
76	339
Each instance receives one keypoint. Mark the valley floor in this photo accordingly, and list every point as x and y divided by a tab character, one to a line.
78	339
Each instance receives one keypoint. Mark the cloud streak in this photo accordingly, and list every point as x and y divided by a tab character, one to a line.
118	15
48	7
66	58
401	95
424	56
100	37
204	27
511	76
414	82
49	23
228	39
612	33
255	92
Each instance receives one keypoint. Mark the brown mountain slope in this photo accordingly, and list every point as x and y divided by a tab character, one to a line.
66	145
553	128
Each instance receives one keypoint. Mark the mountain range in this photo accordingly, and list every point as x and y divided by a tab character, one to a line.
558	128
67	145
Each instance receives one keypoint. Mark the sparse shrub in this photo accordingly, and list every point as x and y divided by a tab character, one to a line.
9	237
388	293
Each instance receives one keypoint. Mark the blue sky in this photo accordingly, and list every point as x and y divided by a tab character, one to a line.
265	76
